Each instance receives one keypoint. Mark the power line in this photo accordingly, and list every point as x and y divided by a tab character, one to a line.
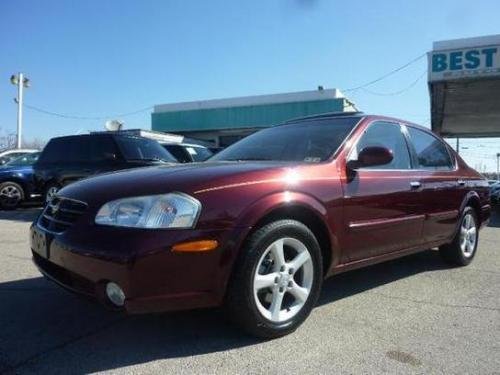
410	86
74	117
387	74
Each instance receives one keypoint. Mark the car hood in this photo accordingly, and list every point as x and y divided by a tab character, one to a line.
190	178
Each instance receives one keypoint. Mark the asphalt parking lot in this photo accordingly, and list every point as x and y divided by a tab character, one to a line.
412	315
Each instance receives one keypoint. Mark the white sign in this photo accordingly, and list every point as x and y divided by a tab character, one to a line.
464	63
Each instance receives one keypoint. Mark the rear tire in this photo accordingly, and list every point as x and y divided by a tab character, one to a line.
11	195
276	280
462	249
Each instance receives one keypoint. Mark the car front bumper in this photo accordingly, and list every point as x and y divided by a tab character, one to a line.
153	278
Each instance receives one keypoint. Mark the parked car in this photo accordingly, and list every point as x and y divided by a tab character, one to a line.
68	159
184	150
16	181
8	155
259	226
188	152
495	192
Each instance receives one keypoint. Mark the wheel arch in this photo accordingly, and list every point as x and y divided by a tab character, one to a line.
472	199
300	207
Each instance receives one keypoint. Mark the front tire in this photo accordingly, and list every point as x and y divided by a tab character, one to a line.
50	192
276	280
463	248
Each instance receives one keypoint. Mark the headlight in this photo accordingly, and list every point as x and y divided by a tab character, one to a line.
174	210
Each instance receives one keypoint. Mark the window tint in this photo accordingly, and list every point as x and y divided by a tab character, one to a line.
386	135
431	152
199	153
310	141
179	153
102	148
135	148
66	149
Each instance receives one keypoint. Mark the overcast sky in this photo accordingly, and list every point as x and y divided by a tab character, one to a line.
102	58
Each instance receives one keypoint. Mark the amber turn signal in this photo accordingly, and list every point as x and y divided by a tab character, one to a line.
195	246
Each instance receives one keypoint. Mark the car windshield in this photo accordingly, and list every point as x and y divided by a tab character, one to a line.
134	148
310	141
28	159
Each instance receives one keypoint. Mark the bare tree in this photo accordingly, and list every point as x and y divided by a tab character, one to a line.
34	143
7	140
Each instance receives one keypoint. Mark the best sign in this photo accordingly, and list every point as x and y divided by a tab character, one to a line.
464	63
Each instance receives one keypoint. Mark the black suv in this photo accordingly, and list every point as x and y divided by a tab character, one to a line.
68	159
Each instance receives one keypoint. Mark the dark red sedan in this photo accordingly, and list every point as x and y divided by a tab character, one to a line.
260	225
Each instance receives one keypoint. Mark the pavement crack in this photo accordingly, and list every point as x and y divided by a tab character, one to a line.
439	304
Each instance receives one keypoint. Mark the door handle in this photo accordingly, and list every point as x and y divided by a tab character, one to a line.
461	182
415	184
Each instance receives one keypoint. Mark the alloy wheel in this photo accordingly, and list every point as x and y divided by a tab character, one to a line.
51	192
283	279
10	195
468	235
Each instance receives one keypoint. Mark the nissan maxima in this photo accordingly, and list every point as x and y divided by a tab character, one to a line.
259	226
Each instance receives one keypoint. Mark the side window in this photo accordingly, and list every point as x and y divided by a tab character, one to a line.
53	151
102	148
77	150
431	152
387	135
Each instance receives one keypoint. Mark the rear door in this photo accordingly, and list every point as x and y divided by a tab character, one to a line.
382	206
442	189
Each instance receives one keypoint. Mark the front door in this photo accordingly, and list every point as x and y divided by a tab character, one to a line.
382	204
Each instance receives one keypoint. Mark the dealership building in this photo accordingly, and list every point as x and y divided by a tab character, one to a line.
224	121
464	87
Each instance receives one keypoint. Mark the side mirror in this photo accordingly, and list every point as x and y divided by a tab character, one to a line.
371	156
110	156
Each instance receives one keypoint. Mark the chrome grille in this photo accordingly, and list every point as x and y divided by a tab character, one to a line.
60	214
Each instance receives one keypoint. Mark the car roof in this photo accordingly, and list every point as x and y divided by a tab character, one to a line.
359	115
326	116
94	135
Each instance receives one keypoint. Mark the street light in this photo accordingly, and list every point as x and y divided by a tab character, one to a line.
21	82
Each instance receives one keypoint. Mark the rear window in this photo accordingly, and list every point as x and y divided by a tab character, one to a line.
189	153
135	148
179	153
199	153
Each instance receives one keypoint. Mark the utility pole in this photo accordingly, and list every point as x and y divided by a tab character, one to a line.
21	82
458	146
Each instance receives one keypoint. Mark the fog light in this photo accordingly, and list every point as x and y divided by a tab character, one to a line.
115	294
